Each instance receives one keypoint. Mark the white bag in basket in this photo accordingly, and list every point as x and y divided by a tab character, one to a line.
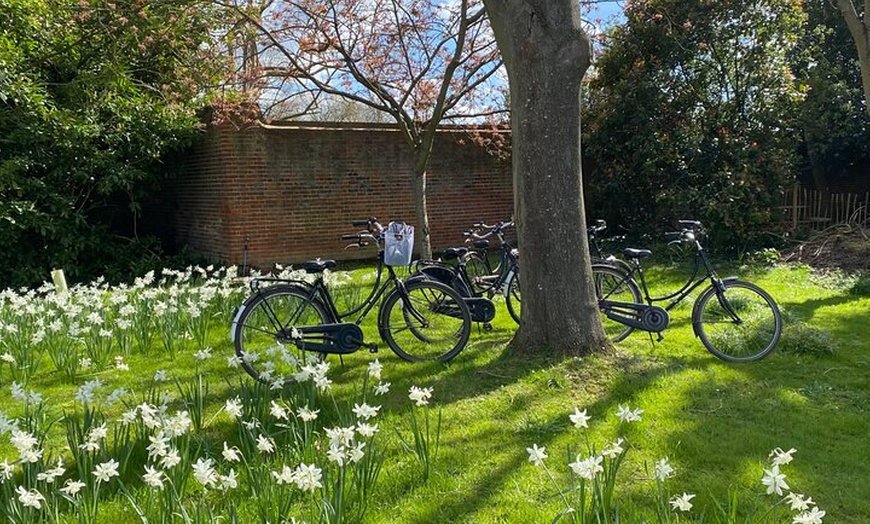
398	244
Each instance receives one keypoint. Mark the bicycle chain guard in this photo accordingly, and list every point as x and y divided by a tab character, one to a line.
639	316
336	339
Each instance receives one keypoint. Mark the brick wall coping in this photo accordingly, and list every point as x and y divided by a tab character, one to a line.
370	126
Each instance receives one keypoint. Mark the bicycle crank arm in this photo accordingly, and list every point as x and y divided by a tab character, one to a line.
336	339
639	316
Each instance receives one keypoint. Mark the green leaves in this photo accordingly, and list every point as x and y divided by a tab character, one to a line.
93	95
693	114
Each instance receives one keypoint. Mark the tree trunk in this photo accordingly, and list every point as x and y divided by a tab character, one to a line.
858	28
421	227
546	54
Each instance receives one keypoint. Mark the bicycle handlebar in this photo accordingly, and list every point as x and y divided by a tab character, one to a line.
600	225
691	229
373	232
364	222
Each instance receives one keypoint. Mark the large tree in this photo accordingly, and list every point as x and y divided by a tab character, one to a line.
546	53
833	119
857	17
419	62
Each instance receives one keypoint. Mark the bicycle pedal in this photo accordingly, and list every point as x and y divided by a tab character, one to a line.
373	348
487	326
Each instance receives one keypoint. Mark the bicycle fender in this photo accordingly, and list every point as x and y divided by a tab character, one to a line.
696	327
301	285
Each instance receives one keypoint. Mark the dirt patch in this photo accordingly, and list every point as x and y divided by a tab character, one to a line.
844	247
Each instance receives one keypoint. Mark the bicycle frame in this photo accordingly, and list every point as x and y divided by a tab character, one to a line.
318	290
691	284
660	321
507	264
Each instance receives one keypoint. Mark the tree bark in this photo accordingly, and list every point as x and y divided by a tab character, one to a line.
859	28
421	232
546	54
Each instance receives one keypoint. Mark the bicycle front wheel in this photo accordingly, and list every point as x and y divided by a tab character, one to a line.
426	320
266	331
740	323
512	297
479	276
612	285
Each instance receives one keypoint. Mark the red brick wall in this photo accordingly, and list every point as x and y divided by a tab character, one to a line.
293	190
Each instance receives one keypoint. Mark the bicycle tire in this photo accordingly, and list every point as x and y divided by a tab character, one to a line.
512	297
751	338
480	278
426	321
610	284
261	328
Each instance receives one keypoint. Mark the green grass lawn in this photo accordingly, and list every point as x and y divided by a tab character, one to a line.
715	422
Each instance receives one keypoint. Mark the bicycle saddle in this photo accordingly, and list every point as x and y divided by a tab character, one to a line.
454	252
318	266
636	253
481	244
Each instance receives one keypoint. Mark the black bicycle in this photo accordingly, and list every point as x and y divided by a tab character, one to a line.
735	320
596	255
289	323
486	279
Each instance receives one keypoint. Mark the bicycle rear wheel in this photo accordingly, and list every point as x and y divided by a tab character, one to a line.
427	321
265	333
611	284
512	298
739	324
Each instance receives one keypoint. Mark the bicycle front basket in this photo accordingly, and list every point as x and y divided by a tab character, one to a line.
398	244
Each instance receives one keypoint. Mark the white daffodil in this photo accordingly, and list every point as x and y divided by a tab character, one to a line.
681	502
774	480
231	454
365	411
375	369
420	395
72	487
537	455
29	498
613	449
277	411
233	407
153	477
588	468
625	414
105	471
780	457
265	444
308	415
286	476
579	418
382	388
204	473
813	516
308	477
662	469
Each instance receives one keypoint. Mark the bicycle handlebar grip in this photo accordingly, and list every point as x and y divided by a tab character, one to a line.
692	224
350	237
359	223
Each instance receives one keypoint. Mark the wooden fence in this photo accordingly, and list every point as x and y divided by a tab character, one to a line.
812	209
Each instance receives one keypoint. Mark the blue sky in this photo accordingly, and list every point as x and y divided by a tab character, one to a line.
606	9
